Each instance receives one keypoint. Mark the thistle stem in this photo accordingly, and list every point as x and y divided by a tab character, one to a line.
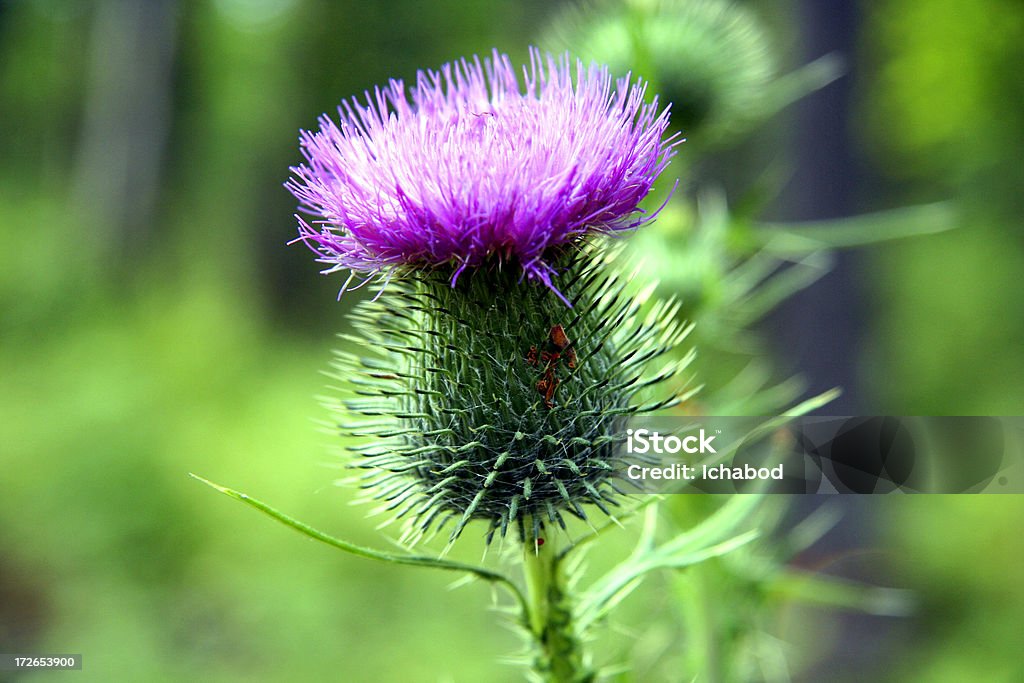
559	656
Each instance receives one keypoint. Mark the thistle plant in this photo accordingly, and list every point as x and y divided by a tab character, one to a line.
507	355
492	375
488	384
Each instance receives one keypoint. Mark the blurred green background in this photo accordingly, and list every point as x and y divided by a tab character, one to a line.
153	323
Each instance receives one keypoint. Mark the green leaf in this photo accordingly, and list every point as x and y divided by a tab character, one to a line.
718	535
806	79
764	296
794	239
835	592
370	553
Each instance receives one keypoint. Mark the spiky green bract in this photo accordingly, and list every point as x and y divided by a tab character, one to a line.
459	430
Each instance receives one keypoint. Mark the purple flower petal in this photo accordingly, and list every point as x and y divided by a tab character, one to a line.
479	164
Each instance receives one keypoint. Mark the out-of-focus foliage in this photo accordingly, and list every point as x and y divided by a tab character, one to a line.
946	100
971	594
944	113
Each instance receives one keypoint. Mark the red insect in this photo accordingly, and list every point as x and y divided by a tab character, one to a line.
556	345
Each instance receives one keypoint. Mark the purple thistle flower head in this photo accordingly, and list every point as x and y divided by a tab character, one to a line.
479	164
